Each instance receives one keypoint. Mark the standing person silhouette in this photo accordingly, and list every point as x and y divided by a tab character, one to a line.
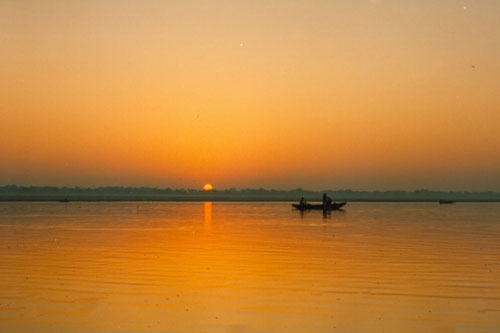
326	200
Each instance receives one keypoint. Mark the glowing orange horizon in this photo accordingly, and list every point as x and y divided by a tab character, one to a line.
332	94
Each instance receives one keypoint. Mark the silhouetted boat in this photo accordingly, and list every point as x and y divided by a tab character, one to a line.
64	200
332	206
446	201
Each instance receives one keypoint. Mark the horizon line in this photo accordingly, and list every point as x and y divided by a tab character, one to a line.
298	189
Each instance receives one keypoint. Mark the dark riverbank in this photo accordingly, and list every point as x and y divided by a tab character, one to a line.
37	193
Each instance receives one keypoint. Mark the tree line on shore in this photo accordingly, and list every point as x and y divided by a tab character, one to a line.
119	193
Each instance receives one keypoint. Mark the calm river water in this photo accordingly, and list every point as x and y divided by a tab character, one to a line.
249	267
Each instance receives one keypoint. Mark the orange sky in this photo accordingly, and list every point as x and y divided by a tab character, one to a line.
276	94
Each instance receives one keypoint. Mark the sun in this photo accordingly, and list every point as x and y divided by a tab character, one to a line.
208	187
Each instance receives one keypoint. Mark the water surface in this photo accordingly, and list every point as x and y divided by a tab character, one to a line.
249	267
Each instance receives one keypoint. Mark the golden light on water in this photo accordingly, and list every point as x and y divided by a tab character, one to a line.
186	266
208	187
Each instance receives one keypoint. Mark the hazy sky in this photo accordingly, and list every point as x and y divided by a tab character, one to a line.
362	94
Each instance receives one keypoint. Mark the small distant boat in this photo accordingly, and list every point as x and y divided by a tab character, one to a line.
446	201
332	206
64	200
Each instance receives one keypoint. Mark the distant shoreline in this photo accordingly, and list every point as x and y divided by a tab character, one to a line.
11	193
233	200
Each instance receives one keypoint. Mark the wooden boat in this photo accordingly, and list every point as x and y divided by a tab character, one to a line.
446	201
332	206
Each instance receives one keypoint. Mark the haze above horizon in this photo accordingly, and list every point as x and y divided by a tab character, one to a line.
364	94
